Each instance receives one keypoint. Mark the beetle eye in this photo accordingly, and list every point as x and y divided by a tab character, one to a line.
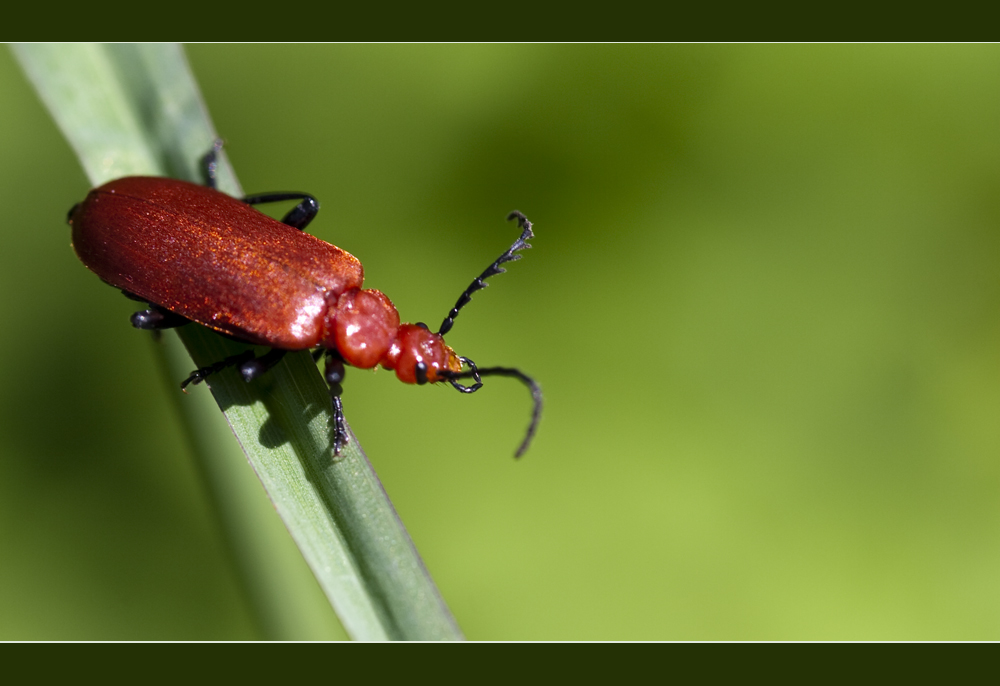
69	215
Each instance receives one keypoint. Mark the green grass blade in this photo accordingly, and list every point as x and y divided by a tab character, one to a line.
129	109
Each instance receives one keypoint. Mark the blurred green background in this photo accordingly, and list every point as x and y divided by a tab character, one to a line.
762	303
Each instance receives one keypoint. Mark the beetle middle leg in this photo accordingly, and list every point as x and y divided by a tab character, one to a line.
249	365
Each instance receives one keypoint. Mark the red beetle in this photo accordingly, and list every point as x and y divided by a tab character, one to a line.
198	255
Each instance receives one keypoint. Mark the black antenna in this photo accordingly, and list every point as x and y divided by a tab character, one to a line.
492	270
477	374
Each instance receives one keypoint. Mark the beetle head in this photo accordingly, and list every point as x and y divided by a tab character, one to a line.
419	356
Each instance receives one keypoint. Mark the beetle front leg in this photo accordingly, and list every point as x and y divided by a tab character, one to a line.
334	376
298	217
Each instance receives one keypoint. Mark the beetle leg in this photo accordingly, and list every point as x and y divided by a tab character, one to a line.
250	367
299	216
334	376
340	430
256	366
199	375
157	318
210	164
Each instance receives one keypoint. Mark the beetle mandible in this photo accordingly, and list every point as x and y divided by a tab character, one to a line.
195	254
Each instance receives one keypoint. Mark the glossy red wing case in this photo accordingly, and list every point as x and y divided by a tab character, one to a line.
213	259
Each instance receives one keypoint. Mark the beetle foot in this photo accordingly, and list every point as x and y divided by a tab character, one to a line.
340	435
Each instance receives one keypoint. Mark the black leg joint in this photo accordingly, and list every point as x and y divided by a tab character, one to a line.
253	368
199	375
156	318
303	213
299	216
335	372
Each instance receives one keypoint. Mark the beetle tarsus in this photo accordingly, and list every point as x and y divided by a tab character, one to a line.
334	375
340	436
